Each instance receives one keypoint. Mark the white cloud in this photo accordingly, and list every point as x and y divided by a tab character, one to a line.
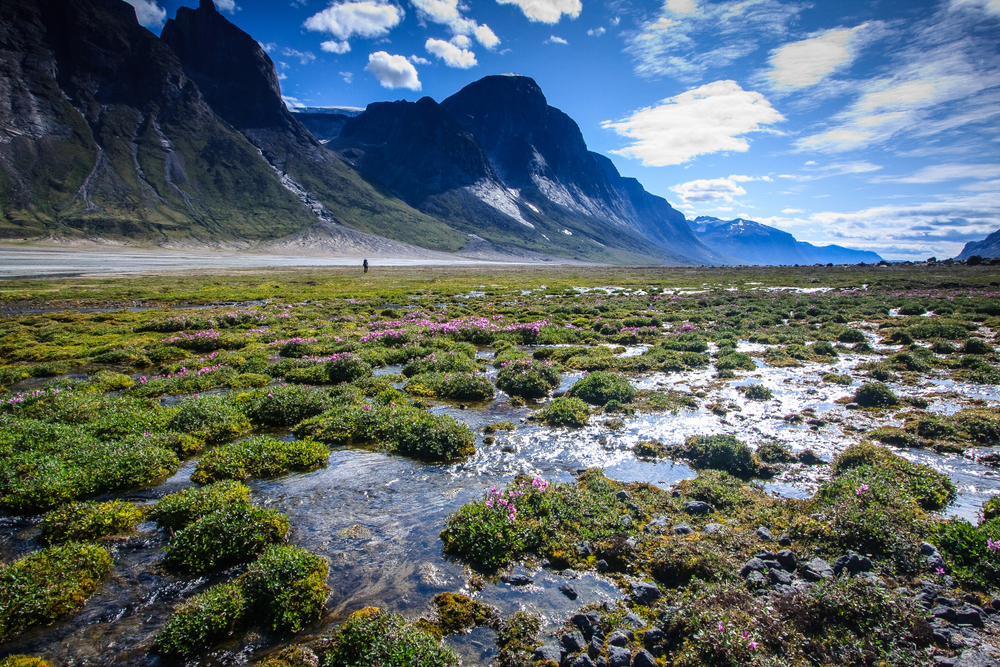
556	40
943	80
707	119
809	61
291	102
939	173
789	211
393	71
305	57
596	32
449	13
348	76
814	171
453	56
461	41
687	38
365	19
711	189
333	46
417	60
989	6
149	13
546	11
227	6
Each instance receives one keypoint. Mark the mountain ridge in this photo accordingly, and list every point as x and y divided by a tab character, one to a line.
988	247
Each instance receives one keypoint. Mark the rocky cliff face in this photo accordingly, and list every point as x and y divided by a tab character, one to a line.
105	135
988	247
750	242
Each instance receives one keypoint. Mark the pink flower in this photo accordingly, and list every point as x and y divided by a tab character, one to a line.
861	489
939	571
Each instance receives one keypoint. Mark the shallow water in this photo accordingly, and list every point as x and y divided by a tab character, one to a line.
377	518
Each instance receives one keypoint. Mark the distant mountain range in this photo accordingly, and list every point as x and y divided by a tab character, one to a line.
751	242
109	132
988	247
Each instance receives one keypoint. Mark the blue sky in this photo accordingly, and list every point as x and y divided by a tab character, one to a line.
869	124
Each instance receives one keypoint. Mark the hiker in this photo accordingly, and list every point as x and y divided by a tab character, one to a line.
365	264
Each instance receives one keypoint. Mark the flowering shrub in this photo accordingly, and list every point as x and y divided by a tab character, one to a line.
287	405
226	537
458	386
258	456
527	378
210	418
565	411
441	362
600	387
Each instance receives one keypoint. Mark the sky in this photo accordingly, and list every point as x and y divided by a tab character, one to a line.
872	125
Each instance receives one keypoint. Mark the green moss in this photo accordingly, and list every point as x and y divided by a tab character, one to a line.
203	620
24	661
775	452
721	490
47	584
930	489
108	381
178	509
527	378
966	548
735	361
875	395
600	387
457	385
292	656
287	588
400	428
90	521
459	613
210	418
516	639
249	380
756	392
564	411
376	637
259	456
843	380
226	537
718	452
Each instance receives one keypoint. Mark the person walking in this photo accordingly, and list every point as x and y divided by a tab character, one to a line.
365	264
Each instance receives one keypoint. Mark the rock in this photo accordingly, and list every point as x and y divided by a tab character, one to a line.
936	562
634	620
816	570
584	549
964	615
619	656
852	563
784	540
764	535
698	507
569	591
782	589
753	565
852	406
995	603
573	642
644	659
549	652
976	658
582	621
645	592
657	523
618	638
871	577
653	637
779	577
594	648
602	662
623	496
683	529
926	549
516	579
809	457
756	580
602	565
583	661
713	528
787	559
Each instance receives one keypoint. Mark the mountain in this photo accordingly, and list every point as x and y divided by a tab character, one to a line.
497	161
103	135
753	243
108	132
988	247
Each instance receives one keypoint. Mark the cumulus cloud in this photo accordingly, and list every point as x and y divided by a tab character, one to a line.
546	11
556	40
809	61
711	189
452	55
461	41
707	119
227	6
449	13
596	32
149	14
789	211
305	57
346	19
417	60
689	37
333	46
347	76
393	71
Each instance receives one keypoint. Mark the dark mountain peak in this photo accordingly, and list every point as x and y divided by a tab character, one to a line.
235	75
